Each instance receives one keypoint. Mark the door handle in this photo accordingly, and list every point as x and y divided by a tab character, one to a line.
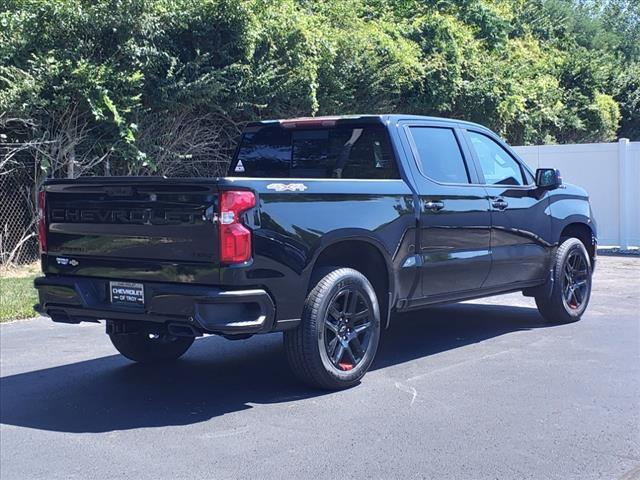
499	203
434	206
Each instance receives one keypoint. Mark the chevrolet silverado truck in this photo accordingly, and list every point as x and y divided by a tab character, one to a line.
323	229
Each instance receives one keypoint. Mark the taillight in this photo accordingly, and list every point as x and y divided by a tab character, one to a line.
42	221
235	238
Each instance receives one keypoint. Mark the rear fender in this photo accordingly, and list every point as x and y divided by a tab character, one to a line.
357	235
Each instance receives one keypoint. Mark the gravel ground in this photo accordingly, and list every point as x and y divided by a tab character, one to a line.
477	390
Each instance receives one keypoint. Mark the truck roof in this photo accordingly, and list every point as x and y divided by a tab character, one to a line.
357	118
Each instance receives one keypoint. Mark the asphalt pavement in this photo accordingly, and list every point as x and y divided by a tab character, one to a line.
480	390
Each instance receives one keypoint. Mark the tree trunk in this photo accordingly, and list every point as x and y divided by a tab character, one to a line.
71	162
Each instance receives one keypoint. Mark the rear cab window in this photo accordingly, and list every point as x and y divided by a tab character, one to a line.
341	151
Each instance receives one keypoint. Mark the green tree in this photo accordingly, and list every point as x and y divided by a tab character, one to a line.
164	86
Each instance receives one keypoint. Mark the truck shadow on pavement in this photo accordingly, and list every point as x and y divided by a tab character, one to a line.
218	376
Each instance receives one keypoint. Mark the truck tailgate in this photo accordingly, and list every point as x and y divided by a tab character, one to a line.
133	218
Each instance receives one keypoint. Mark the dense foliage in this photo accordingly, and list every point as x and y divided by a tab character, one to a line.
152	85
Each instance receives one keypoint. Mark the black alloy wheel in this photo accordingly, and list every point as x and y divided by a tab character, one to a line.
566	295
347	329
576	279
337	339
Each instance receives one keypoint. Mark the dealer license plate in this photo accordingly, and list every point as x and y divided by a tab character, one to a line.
126	293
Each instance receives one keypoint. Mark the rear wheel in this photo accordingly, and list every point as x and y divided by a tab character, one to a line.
337	339
150	348
571	289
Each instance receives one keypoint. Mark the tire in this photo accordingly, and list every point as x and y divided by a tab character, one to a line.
337	339
571	287
145	348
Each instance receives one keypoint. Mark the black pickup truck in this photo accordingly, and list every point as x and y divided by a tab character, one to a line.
323	229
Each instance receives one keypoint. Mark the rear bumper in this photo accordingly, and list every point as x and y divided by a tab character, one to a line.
206	309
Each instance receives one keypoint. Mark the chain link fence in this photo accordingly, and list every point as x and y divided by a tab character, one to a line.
18	209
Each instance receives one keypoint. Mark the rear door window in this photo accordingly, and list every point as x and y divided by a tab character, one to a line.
439	154
339	152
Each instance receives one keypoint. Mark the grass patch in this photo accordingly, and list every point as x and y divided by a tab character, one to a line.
17	295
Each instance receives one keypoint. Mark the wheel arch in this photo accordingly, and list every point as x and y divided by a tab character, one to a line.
583	232
361	252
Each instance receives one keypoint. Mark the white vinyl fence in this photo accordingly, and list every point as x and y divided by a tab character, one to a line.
610	173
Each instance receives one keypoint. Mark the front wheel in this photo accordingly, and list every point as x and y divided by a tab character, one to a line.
571	288
336	342
150	348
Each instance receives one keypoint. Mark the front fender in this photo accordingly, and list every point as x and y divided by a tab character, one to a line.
567	206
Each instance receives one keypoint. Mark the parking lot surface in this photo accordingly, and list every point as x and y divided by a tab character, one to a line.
478	390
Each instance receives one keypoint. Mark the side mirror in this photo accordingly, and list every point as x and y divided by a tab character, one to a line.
548	178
